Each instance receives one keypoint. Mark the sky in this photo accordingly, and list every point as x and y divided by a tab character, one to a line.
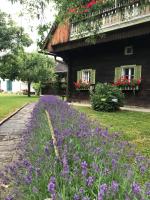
28	24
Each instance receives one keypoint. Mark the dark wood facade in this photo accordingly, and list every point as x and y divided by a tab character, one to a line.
105	55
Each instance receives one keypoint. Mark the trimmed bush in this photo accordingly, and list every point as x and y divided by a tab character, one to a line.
106	98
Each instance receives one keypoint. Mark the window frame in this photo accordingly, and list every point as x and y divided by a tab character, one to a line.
130	73
83	71
126	50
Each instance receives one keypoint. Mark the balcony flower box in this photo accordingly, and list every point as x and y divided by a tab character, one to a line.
125	84
82	85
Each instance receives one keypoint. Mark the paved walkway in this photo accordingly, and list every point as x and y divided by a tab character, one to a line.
129	108
10	133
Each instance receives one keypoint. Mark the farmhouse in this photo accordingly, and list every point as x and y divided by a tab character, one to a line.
119	55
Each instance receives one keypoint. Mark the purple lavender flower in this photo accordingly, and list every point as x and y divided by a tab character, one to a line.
52	187
147	185
65	162
84	168
26	163
114	163
136	188
76	197
81	191
142	169
28	179
100	197
114	186
89	181
102	191
9	198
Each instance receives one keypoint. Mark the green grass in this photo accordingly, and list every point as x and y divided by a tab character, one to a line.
133	126
10	103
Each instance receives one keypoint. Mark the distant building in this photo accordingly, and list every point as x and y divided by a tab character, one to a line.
58	87
13	86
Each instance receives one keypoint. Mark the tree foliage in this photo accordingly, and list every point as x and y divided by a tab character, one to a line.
42	33
28	67
11	36
36	67
10	65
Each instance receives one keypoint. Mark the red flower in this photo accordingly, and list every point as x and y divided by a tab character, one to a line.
72	10
139	81
91	3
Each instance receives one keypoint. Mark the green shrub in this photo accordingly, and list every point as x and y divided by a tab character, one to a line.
37	88
106	98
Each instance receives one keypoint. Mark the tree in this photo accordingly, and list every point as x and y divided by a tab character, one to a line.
36	68
28	67
12	37
43	31
10	65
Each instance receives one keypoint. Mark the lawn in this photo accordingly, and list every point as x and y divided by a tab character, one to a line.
133	126
10	103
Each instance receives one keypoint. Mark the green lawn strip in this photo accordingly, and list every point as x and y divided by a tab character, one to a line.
10	103
133	126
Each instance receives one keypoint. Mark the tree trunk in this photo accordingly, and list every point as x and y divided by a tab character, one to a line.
29	88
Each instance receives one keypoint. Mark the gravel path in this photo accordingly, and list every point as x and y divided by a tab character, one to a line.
10	132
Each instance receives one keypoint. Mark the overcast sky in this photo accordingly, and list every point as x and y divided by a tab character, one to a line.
25	21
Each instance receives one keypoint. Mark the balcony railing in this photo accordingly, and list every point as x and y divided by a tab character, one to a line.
120	16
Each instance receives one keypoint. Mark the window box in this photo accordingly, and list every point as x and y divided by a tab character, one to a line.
83	89
130	87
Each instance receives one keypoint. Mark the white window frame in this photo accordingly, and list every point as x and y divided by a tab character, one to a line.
128	67
88	76
126	50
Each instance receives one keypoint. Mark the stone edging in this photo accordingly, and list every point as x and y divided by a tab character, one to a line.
12	114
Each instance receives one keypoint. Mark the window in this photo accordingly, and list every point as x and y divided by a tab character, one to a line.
86	76
128	50
128	73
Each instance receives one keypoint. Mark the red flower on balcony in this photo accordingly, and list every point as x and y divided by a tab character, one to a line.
84	8
82	85
91	3
125	83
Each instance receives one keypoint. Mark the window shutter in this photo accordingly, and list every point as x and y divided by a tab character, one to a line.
117	73
92	76
79	76
137	72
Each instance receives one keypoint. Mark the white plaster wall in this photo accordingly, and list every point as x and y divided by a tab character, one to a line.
2	84
17	86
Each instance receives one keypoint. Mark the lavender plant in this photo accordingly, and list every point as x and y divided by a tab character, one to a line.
93	164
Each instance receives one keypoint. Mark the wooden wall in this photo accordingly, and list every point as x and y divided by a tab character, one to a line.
105	57
61	35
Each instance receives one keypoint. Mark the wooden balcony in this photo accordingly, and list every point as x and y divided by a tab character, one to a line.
117	17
